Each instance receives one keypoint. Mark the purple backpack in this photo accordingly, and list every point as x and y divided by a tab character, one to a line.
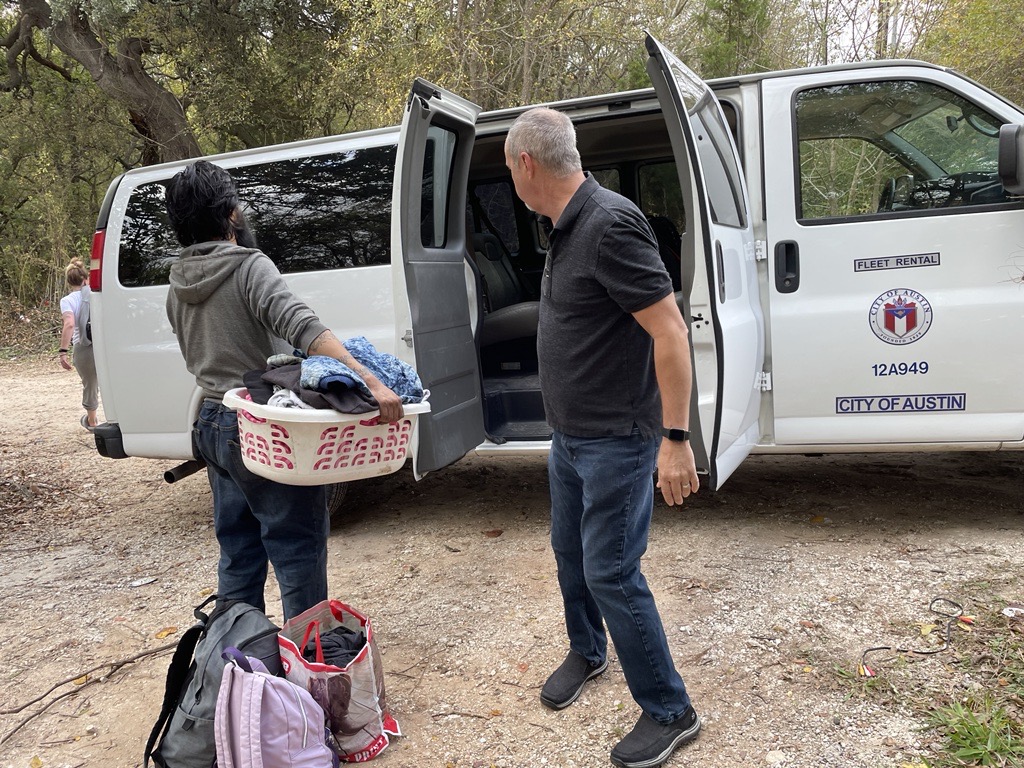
264	721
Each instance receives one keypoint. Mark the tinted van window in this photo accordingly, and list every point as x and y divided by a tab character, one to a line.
438	164
492	209
660	194
312	213
718	161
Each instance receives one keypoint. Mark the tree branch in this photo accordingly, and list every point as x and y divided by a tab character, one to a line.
38	57
114	666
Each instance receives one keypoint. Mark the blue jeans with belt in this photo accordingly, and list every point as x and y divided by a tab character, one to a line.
602	496
257	520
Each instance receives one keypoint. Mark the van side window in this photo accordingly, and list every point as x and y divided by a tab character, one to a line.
893	146
732	119
312	213
721	170
323	212
437	173
714	145
661	200
660	194
608	178
148	245
492	207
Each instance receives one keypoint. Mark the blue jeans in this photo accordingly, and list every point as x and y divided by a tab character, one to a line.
602	496
257	520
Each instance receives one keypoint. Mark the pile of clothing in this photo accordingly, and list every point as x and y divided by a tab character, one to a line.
298	381
340	647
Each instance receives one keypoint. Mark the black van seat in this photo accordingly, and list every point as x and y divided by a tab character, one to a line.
516	321
510	313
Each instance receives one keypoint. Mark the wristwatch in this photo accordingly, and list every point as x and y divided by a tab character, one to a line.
676	435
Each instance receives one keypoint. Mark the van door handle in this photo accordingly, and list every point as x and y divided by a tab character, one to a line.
787	266
721	271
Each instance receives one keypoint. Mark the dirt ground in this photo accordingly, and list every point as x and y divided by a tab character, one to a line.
770	591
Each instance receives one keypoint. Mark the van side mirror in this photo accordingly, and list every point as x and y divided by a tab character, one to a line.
1011	158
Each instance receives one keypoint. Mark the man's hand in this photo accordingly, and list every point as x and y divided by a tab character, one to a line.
64	362
677	471
390	404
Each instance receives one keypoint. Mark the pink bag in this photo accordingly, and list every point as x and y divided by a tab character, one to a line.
264	721
353	695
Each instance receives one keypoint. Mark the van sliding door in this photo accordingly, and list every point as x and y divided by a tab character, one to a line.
722	308
428	236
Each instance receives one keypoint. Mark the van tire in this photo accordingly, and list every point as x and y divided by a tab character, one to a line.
336	494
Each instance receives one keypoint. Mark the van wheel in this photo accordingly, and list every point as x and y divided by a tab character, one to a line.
336	494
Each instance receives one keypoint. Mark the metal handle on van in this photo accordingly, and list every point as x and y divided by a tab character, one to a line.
787	266
721	271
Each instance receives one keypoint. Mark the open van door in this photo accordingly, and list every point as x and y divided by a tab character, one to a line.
720	298
428	236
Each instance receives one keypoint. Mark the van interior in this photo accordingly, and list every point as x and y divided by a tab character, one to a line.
630	154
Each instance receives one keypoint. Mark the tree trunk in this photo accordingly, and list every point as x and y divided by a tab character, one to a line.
882	33
155	113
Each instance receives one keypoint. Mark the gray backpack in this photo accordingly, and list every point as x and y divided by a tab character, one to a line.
183	736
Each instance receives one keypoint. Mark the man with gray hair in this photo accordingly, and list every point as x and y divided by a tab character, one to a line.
609	337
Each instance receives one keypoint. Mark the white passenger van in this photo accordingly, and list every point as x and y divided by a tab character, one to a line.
845	243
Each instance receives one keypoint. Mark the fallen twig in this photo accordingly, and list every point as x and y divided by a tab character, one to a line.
460	714
62	489
40	711
113	665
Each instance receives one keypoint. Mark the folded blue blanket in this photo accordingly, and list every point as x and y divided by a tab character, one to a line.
322	373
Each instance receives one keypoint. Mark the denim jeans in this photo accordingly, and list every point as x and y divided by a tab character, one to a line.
602	495
257	520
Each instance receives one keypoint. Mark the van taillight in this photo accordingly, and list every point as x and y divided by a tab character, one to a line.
96	261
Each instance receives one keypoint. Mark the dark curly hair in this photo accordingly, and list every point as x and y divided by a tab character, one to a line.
201	199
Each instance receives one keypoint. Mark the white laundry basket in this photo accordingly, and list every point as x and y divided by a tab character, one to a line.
299	446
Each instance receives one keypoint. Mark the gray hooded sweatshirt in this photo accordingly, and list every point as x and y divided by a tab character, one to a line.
231	310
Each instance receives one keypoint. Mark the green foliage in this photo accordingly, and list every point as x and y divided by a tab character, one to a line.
978	732
254	72
735	32
982	39
501	54
983	723
106	15
878	688
59	147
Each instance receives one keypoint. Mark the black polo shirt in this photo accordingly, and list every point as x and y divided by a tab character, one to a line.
596	361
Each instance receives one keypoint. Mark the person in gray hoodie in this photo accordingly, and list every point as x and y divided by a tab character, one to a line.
230	310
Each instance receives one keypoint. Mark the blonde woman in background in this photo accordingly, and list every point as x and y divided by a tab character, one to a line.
74	308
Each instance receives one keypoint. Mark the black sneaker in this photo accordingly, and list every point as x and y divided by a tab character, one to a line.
650	743
566	683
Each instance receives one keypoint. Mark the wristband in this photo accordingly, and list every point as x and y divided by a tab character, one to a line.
675	435
62	351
